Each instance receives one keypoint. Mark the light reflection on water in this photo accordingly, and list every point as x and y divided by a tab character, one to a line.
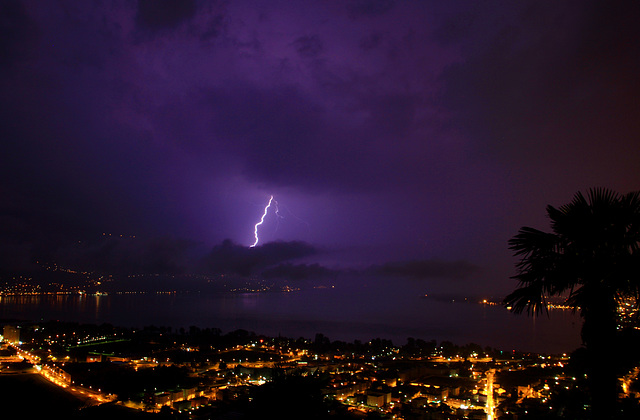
344	315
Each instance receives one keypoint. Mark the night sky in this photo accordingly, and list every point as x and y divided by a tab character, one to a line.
414	136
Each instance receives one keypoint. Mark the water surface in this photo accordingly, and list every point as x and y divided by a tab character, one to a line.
338	314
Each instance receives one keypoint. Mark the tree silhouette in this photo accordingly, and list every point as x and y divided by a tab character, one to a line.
591	257
290	395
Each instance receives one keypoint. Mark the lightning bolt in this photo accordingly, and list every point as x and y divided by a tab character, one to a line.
255	228
290	213
278	216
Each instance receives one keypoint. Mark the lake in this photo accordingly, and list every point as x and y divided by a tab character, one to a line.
338	314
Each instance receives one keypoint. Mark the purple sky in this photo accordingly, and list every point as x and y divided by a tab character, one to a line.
386	130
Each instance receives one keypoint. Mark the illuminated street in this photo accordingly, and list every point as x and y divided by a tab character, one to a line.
489	390
60	378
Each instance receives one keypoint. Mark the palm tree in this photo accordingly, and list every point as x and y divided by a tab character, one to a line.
591	257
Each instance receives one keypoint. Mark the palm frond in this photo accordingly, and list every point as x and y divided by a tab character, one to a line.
530	297
530	241
592	252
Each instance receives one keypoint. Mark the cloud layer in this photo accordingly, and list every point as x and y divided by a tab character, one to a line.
425	131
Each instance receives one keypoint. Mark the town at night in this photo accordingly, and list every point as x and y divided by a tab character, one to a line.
329	209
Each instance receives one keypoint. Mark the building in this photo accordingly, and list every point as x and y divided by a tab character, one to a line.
12	334
378	399
94	358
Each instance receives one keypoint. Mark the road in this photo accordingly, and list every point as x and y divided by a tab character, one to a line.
58	377
489	389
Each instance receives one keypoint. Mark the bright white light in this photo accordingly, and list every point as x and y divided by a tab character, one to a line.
255	228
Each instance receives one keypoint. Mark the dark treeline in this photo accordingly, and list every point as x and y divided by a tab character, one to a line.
75	340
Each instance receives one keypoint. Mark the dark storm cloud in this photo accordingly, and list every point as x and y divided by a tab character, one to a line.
18	32
299	272
280	135
415	129
370	42
365	8
73	167
157	15
284	139
394	114
308	46
230	258
529	90
215	28
122	255
15	236
430	269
